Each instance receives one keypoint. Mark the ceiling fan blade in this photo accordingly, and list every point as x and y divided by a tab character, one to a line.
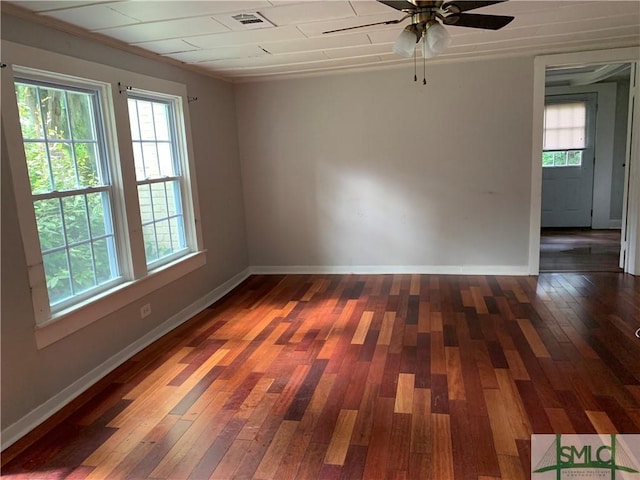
388	22
474	20
463	6
399	4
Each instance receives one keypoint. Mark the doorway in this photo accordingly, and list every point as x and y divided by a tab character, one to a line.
568	160
583	175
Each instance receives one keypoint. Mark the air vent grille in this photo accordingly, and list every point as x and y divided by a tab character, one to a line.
237	21
247	18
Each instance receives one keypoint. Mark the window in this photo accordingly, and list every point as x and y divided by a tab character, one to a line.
102	178
565	134
70	188
158	177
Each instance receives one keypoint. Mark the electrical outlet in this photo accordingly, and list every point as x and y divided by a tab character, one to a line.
145	310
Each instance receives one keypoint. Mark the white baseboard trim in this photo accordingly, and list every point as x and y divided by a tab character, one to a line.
615	224
14	432
515	270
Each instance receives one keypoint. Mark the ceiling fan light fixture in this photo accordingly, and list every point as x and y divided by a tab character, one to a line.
427	52
437	38
406	42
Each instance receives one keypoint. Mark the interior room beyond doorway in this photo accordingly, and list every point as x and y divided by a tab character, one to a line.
579	250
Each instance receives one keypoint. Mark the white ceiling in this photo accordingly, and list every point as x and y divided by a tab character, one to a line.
204	34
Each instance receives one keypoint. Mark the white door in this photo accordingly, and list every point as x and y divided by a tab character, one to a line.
568	160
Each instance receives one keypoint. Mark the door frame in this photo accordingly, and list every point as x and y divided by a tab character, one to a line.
619	55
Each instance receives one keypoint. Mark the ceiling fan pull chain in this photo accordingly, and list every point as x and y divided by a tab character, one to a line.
424	71
415	66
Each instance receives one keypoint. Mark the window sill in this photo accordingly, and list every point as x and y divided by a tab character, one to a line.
79	316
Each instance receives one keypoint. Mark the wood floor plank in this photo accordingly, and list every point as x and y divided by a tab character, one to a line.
441	452
277	448
378	452
533	338
363	327
503	436
339	444
514	408
404	393
358	377
455	382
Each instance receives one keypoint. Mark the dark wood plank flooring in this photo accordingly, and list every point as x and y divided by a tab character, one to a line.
579	250
359	376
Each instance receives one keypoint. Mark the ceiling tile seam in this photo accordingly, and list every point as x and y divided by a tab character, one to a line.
138	21
226	29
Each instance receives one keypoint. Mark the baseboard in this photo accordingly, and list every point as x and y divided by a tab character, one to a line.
515	270
14	432
615	224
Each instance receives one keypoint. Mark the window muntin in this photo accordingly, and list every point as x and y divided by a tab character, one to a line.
158	176
70	188
565	134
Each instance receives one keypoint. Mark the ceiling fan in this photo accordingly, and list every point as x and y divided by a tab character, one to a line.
425	26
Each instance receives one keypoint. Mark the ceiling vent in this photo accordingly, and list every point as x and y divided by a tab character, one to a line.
250	21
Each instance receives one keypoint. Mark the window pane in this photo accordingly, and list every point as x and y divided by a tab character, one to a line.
161	121
82	273
145	120
54	112
547	159
177	234
57	272
49	221
82	118
63	166
138	160
150	156
75	218
565	126
99	206
173	198
29	109
150	246
560	159
38	166
165	159
159	198
144	198
87	159
163	234
133	121
574	158
103	252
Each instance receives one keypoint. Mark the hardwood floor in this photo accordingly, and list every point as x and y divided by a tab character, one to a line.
579	250
372	376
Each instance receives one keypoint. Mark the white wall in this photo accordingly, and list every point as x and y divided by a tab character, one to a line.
33	380
371	171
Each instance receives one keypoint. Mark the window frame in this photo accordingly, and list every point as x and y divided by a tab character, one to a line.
39	80
138	280
177	160
571	149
